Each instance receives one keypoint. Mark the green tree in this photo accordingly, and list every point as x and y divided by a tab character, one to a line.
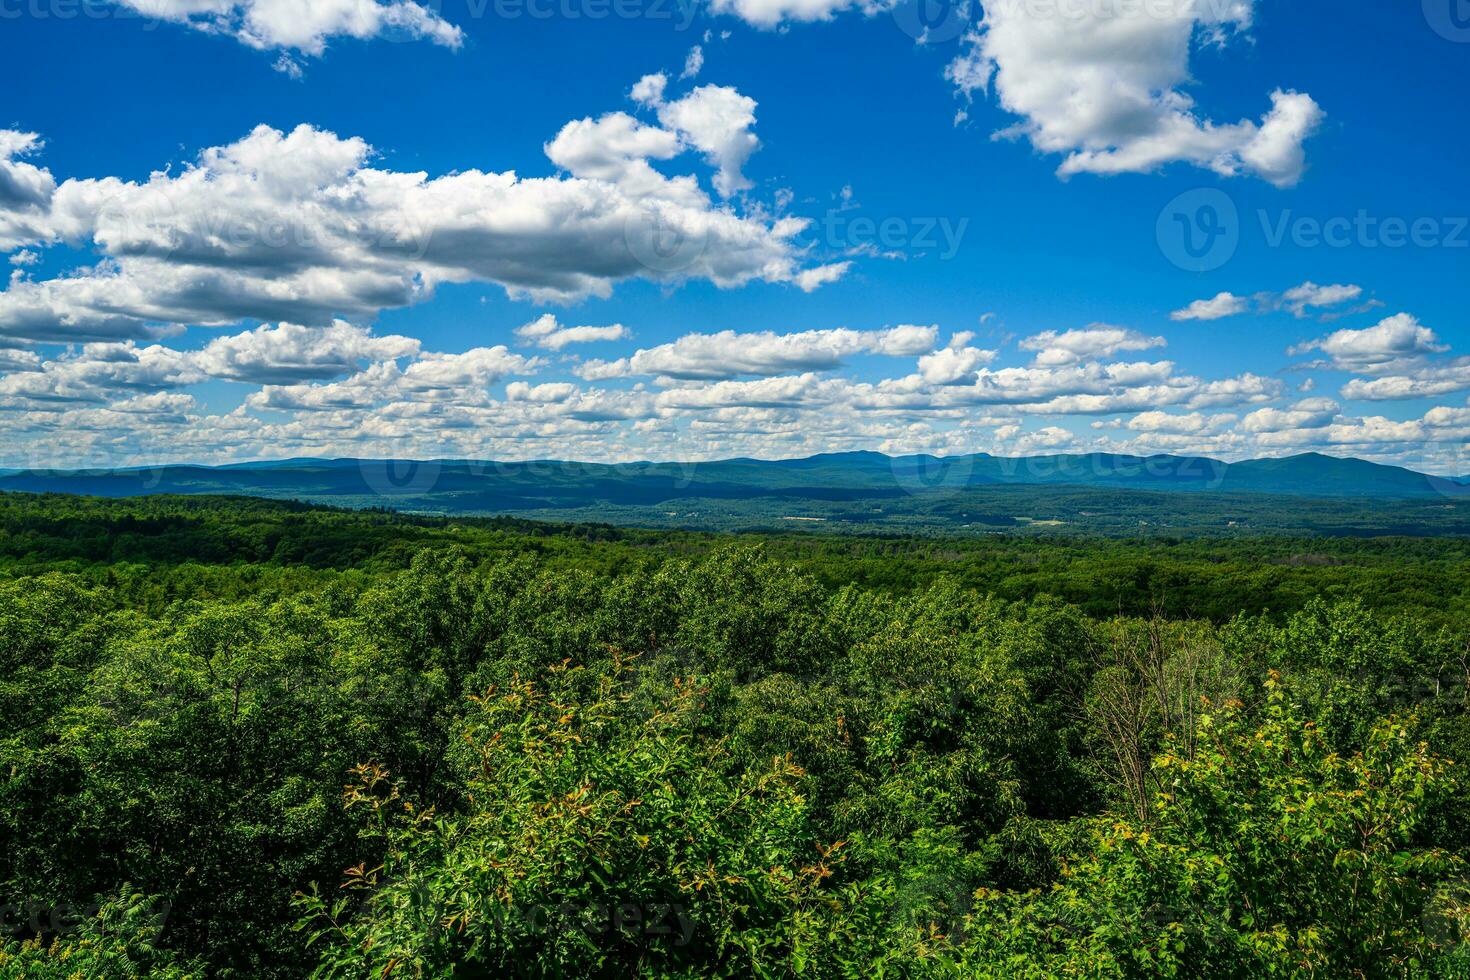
597	839
1268	854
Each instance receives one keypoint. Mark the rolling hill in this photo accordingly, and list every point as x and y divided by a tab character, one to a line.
860	490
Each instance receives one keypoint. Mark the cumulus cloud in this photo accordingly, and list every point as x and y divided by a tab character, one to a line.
289	353
1100	340
1302	301
345	391
303	27
1047	439
1309	296
1190	423
1075	389
716	120
1427	381
1397	340
22	184
342	389
812	279
547	332
19	360
649	90
779	392
773	13
1312	413
1400	356
98	373
1104	85
1221	306
615	148
25	189
273	354
299	227
434	376
954	365
693	63
728	354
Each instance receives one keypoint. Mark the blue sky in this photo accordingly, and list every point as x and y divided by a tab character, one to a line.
971	241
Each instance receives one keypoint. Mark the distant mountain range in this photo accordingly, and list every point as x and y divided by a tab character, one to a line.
860	488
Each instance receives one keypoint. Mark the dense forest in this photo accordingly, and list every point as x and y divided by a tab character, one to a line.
245	738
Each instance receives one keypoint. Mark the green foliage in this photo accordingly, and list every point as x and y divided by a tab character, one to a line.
592	752
1269	854
119	942
599	837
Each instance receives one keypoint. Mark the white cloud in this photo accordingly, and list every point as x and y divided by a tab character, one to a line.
728	354
1393	341
1302	301
303	26
773	13
290	353
118	404
954	365
649	90
475	369
614	148
547	332
297	227
1399	355
1310	296
1277	151
282	354
603	370
452	378
1088	388
1100	340
1429	381
21	183
810	280
1104	84
778	392
98	372
1313	413
544	394
693	63
1247	389
18	360
25	189
717	121
1192	423
1043	440
1223	305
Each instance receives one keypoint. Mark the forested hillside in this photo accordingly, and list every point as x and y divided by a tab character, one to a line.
850	493
245	739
